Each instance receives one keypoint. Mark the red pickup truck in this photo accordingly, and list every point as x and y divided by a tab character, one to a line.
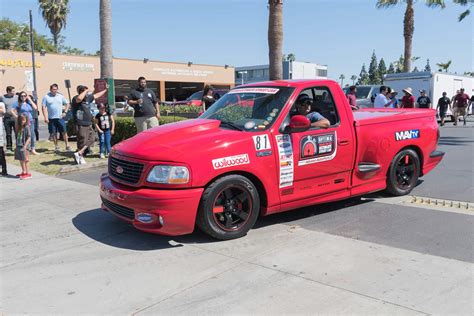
253	153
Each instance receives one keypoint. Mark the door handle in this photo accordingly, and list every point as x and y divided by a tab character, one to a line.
343	142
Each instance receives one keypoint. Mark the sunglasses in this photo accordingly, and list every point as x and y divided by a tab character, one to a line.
23	96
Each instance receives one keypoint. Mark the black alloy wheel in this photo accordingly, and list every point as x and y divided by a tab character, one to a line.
403	173
229	207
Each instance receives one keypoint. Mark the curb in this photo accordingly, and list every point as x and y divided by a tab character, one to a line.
78	168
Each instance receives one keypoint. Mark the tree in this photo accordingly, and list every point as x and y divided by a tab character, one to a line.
408	24
275	39
16	37
353	78
363	76
291	57
342	77
444	66
428	67
106	61
464	14
54	13
391	69
374	77
382	69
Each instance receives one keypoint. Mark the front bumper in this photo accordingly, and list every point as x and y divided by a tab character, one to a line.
177	208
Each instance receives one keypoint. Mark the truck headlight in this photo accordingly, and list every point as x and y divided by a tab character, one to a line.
169	174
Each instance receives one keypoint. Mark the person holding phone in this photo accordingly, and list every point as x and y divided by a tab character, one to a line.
146	106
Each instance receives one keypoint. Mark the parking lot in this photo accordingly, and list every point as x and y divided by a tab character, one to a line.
377	255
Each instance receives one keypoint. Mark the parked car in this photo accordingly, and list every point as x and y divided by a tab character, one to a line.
239	161
195	98
365	95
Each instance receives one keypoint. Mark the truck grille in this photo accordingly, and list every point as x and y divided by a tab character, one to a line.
127	171
119	209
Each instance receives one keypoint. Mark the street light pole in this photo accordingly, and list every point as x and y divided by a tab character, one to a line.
32	43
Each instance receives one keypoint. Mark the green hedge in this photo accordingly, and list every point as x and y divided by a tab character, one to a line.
125	127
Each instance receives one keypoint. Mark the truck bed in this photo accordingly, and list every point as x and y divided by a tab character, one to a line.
375	116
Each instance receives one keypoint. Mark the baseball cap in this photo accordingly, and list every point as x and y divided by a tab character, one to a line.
422	91
303	98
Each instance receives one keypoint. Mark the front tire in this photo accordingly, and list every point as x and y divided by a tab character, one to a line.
403	174
229	207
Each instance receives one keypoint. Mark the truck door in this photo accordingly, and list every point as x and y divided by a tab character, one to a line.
322	158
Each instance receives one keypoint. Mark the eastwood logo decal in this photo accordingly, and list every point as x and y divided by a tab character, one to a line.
403	135
231	161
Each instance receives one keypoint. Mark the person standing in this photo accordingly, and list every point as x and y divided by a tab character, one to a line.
443	103
23	138
352	97
80	105
424	102
146	106
207	98
381	101
392	95
27	106
461	101
8	119
3	161
53	113
408	100
105	125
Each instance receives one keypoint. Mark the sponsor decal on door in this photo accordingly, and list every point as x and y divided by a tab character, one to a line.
317	148
285	153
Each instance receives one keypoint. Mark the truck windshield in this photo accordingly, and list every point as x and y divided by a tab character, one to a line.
249	109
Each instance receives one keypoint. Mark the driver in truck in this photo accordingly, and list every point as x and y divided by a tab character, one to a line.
303	105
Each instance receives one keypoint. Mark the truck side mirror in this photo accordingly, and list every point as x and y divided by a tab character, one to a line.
299	123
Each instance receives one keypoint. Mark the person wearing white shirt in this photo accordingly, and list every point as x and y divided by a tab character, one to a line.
381	100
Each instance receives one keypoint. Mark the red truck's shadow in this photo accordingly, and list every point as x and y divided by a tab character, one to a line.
107	229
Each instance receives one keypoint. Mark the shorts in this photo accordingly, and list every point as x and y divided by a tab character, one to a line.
442	112
85	136
20	154
56	125
460	110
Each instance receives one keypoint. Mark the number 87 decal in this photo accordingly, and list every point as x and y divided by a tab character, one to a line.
261	142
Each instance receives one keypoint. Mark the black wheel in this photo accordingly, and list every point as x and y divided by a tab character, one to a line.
229	208
403	173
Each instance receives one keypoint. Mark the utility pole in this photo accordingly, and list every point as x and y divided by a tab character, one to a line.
32	43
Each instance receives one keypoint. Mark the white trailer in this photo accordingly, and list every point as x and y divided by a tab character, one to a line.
435	83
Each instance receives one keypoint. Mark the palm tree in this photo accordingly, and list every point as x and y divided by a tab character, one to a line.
54	13
464	3
291	57
408	24
353	78
106	62
275	39
444	66
342	77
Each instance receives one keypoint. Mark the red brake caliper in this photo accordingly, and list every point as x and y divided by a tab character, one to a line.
406	159
218	209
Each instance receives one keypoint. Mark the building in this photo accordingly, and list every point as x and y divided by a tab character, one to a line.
170	81
291	70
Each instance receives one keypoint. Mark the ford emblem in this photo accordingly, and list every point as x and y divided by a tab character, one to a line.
144	218
119	170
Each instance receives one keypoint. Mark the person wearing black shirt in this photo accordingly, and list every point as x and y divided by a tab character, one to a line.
83	118
424	101
207	98
443	103
145	105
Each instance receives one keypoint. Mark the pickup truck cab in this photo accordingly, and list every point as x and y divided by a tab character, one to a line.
252	154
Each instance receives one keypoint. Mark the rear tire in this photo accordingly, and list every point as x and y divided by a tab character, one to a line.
403	174
229	207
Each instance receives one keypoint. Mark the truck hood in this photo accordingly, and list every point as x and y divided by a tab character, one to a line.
179	142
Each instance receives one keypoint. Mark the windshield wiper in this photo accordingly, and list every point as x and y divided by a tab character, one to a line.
234	126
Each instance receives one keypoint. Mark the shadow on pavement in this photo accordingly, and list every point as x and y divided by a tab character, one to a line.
109	230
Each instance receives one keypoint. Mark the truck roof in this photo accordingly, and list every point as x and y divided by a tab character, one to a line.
295	83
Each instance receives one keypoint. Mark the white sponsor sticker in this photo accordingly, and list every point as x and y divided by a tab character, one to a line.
261	142
285	152
254	90
231	161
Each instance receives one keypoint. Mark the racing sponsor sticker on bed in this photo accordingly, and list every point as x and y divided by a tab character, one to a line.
254	90
404	135
261	142
285	154
230	161
317	148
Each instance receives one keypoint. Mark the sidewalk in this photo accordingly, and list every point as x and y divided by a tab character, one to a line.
61	254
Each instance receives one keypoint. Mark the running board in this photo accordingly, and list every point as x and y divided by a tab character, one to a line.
368	167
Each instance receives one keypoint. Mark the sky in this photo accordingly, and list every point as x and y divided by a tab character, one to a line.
339	33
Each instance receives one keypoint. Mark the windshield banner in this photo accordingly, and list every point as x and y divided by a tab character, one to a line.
255	90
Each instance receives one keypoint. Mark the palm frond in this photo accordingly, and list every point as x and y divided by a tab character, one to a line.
463	15
384	4
435	3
